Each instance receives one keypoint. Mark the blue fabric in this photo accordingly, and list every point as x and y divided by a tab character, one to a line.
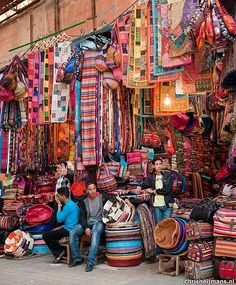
40	228
69	215
162	213
78	149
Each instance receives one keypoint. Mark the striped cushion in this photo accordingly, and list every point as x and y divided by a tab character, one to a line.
225	223
225	247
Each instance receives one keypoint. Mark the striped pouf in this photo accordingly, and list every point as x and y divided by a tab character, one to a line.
39	245
123	244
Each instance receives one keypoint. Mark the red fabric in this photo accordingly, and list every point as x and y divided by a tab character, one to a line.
39	214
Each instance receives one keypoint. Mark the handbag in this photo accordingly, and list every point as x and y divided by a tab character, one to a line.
198	230
150	152
200	251
39	214
134	157
225	223
61	72
205	210
227	269
225	247
6	95
105	180
7	222
113	166
199	270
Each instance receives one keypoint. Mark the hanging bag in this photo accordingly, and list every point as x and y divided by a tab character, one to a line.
105	180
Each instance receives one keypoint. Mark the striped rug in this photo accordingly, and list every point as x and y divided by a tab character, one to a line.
89	86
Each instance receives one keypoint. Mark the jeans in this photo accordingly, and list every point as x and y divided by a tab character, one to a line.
162	213
74	242
97	230
52	240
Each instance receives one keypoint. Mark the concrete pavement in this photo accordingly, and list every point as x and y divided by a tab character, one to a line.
39	271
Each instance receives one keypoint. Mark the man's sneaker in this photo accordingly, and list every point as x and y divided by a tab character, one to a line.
76	263
89	268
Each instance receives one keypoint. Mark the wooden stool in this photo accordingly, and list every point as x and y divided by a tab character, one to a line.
64	242
174	271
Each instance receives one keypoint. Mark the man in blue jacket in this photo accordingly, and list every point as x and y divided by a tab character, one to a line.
69	216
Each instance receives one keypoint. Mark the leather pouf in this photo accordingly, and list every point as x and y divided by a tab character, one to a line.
123	244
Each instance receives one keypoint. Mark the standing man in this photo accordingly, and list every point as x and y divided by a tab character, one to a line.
90	223
66	177
69	216
160	183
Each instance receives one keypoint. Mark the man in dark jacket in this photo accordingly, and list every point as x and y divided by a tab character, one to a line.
90	223
160	183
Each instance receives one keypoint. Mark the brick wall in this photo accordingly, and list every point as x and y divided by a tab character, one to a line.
39	21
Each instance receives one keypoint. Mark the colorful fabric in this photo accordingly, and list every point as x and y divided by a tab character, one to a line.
167	61
48	83
33	89
88	109
122	30
61	91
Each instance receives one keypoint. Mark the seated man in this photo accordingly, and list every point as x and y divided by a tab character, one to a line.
69	216
90	223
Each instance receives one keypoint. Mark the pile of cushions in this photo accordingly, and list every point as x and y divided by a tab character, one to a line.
225	242
18	244
200	251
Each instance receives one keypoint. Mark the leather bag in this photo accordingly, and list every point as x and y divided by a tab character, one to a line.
205	211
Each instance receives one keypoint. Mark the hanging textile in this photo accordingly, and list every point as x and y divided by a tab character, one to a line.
4	138
88	108
48	83
122	30
131	83
63	141
41	87
61	91
165	90
33	89
167	61
156	43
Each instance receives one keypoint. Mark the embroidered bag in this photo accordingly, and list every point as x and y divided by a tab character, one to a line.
105	180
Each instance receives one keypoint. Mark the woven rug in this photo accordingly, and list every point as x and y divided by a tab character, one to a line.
61	91
88	108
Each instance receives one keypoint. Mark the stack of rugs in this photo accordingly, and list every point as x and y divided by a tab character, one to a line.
225	242
200	263
170	235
